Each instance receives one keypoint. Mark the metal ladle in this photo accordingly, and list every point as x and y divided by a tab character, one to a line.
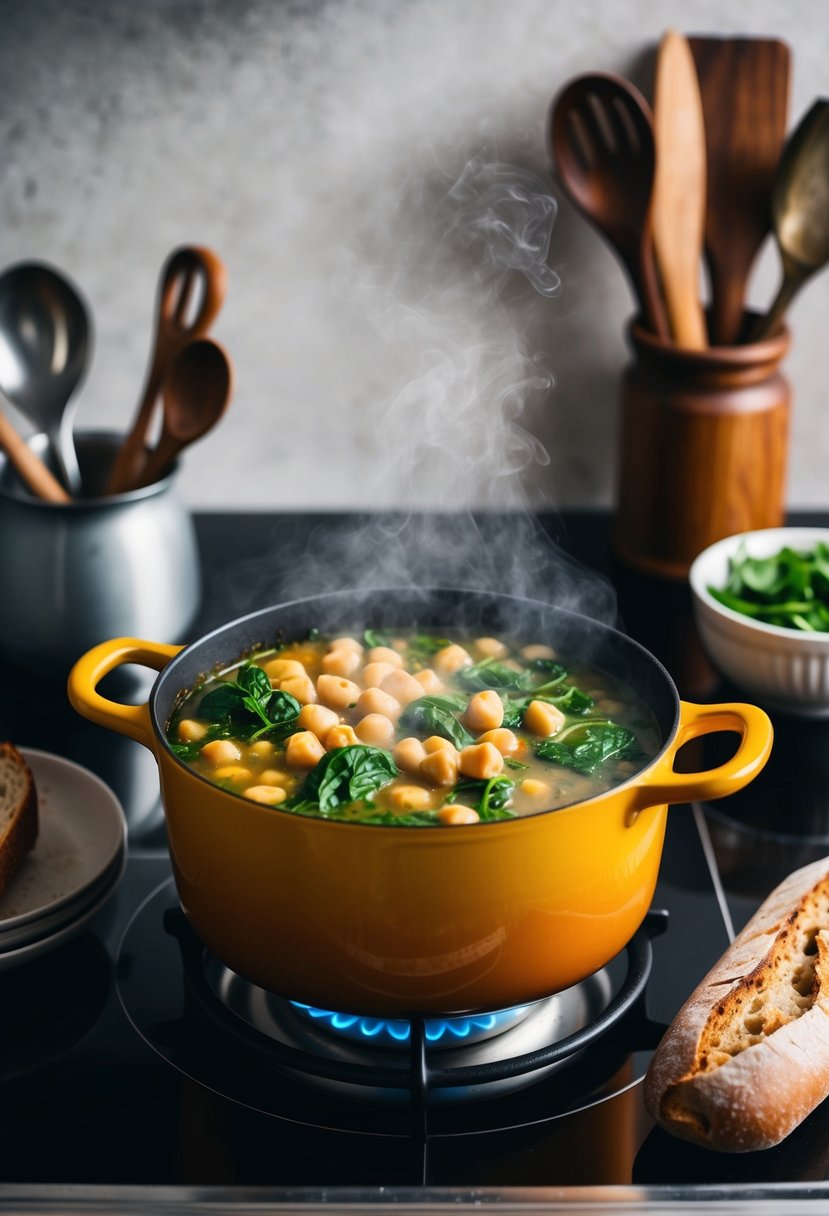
800	207
45	344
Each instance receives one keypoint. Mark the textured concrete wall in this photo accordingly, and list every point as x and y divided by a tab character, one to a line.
347	159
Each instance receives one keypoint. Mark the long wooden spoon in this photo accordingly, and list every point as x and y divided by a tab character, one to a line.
679	188
601	139
744	84
196	392
29	467
800	208
188	270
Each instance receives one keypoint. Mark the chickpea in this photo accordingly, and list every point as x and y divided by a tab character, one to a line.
451	659
626	767
282	669
481	760
535	789
543	719
408	754
301	688
440	767
410	797
221	751
190	731
385	654
403	687
268	795
375	701
537	652
342	662
456	814
490	648
428	680
374	674
503	739
340	736
337	692
346	643
485	711
375	729
610	706
303	750
275	776
261	748
436	743
318	719
233	772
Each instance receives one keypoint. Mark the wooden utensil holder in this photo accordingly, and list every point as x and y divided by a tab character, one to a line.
703	448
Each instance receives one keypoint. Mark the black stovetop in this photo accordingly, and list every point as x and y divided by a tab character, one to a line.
108	1080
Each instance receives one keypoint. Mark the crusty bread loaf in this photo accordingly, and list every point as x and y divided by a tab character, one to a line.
747	1057
18	812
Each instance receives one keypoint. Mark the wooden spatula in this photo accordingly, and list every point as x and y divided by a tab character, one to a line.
744	84
679	188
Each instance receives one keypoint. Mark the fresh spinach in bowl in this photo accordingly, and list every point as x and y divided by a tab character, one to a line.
790	588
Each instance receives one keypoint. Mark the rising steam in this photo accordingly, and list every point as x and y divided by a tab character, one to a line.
455	432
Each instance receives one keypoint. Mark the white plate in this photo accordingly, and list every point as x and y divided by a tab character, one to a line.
33	950
50	922
82	831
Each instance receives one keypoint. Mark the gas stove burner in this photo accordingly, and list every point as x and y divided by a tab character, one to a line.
397	1032
563	1054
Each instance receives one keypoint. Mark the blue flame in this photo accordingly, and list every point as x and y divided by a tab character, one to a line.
437	1030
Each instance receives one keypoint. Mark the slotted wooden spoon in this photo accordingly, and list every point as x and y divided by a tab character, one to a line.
744	85
679	188
601	138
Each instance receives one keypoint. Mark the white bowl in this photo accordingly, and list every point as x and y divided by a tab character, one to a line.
783	668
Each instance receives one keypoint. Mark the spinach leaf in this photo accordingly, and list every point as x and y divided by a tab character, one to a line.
492	674
585	747
248	697
423	647
347	774
489	798
510	762
376	637
571	701
550	667
436	715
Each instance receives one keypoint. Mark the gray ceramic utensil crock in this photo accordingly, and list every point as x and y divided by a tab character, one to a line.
74	574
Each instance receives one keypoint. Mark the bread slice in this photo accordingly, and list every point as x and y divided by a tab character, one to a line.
747	1057
18	812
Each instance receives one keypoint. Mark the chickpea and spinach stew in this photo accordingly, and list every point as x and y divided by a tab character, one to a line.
412	729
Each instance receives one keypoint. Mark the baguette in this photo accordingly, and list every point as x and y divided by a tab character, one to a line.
747	1057
18	812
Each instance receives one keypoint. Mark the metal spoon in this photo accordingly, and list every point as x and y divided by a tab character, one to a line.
601	138
800	208
45	344
196	391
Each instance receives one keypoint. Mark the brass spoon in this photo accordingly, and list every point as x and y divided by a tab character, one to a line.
196	391
800	209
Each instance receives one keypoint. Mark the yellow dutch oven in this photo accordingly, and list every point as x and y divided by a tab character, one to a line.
419	920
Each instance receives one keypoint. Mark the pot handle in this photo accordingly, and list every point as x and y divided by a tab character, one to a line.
660	784
90	669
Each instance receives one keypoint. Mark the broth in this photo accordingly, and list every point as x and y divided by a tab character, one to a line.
413	729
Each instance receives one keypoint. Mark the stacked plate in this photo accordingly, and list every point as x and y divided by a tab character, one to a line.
74	867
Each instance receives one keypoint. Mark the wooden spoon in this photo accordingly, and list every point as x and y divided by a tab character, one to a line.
679	188
601	138
29	467
186	270
800	209
744	84
196	391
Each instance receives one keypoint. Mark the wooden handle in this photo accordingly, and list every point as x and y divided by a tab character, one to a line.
29	467
679	188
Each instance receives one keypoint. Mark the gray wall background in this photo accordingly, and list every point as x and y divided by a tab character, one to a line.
351	160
